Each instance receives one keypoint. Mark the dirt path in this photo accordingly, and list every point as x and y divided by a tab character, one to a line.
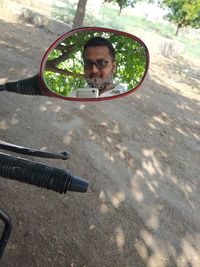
140	155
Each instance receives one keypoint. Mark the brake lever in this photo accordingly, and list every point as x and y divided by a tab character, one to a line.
33	152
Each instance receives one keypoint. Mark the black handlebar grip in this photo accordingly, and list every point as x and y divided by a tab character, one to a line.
43	176
29	86
7	231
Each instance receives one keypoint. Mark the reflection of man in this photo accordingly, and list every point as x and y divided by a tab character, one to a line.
99	66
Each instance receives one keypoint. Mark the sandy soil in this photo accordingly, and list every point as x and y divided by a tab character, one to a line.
140	155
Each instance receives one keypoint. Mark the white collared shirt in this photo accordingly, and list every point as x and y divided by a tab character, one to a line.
117	90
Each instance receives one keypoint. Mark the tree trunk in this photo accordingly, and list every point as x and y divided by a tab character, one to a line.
80	14
120	11
177	29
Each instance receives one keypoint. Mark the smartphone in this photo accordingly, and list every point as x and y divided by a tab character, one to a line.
87	92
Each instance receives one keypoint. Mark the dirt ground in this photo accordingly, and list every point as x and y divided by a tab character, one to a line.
140	155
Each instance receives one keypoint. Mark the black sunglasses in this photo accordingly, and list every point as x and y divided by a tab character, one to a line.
100	64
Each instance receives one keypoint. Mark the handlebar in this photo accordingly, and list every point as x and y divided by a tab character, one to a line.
34	173
41	175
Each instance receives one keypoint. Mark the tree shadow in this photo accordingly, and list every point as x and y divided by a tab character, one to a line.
28	49
140	155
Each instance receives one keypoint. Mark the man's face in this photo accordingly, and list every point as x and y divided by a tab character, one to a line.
101	74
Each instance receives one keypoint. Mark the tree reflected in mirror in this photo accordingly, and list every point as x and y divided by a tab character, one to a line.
64	71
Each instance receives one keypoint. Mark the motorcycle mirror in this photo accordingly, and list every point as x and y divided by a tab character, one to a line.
92	64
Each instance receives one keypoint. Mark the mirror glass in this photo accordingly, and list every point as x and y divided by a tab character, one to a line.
95	64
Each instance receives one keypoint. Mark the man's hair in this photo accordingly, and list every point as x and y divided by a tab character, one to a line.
100	41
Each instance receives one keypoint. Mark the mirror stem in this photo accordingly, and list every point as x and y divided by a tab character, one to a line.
29	86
